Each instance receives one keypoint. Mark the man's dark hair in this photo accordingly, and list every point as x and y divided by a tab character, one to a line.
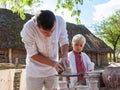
45	19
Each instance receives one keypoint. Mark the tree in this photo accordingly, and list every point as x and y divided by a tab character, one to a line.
109	30
118	52
71	5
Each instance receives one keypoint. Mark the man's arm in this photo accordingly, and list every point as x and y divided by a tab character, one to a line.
45	60
64	51
42	59
64	55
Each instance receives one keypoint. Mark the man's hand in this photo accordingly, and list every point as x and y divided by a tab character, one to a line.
59	67
64	61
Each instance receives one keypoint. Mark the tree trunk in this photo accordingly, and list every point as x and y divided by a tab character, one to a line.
114	58
115	44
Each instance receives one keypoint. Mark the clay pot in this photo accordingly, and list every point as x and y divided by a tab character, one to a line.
111	76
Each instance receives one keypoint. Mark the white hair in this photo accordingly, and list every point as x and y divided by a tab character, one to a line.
79	37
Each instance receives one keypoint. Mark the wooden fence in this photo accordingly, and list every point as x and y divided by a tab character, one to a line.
12	79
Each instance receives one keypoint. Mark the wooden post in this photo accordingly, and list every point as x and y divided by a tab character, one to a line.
110	57
16	62
68	81
10	55
98	56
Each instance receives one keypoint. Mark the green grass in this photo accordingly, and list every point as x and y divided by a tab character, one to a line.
14	66
100	67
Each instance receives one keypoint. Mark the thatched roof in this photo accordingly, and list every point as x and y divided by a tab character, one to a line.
11	25
93	44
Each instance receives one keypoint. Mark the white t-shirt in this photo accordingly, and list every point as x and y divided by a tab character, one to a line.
35	42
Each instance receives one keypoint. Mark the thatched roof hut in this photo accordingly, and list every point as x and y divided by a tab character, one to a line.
12	49
93	44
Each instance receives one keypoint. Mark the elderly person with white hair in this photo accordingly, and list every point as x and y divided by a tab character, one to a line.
79	61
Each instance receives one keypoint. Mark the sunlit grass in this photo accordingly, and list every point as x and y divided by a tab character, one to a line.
10	66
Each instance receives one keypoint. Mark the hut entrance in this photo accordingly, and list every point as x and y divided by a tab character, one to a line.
3	56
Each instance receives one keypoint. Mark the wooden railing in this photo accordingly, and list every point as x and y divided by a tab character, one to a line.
12	79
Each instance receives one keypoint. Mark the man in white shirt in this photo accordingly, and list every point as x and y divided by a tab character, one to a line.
42	36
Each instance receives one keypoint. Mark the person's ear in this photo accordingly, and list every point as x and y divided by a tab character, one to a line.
37	25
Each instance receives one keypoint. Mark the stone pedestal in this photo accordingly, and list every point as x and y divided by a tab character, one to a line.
93	76
62	85
82	87
93	85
